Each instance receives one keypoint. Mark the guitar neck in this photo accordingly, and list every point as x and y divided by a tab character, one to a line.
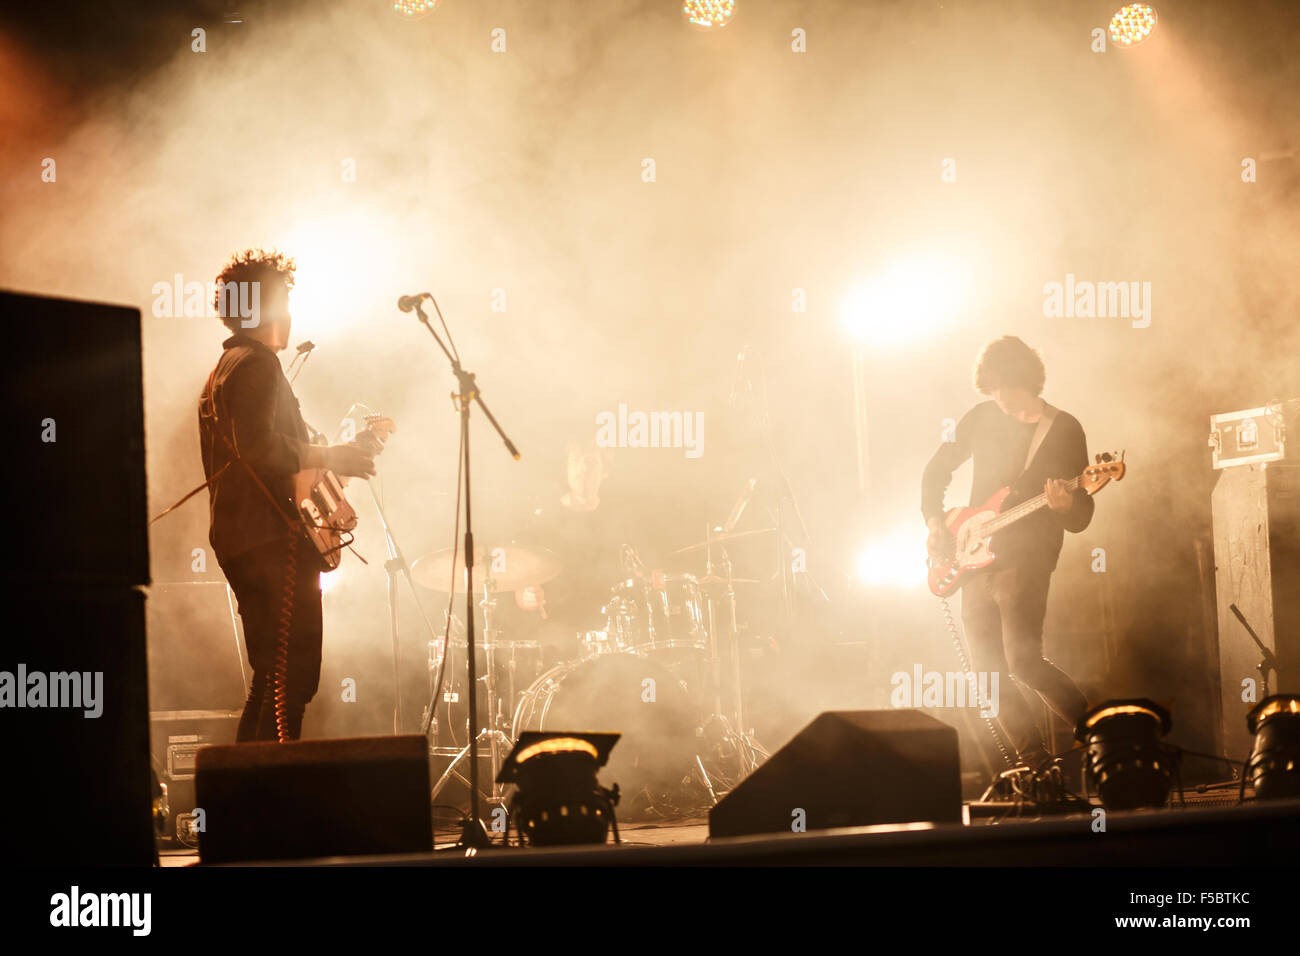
1023	510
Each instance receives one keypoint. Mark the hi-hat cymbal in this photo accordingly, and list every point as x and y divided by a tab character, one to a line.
507	568
722	537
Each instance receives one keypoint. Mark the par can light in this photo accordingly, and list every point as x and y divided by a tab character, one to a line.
1126	764
1274	765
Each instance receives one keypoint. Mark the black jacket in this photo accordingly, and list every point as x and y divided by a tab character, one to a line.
256	409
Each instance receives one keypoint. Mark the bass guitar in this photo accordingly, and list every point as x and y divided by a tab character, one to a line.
318	493
973	528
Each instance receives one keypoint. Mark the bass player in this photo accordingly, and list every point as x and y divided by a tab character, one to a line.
1017	440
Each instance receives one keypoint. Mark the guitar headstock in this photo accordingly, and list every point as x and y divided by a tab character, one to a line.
381	426
376	432
1109	467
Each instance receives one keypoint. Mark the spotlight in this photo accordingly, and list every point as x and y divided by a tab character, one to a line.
1132	24
894	560
557	799
1274	765
911	300
413	9
1125	763
709	13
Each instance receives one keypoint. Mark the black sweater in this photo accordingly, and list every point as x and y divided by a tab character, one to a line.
999	444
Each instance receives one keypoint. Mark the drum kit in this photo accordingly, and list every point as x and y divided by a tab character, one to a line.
664	671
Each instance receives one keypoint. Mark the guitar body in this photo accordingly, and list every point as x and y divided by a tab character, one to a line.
325	512
973	528
972	550
321	503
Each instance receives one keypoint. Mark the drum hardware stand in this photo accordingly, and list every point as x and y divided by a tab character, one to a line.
498	742
474	834
748	752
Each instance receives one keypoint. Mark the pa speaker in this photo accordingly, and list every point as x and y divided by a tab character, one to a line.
73	398
849	768
75	711
313	798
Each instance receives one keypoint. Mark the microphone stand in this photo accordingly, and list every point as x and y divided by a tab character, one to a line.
473	833
1267	661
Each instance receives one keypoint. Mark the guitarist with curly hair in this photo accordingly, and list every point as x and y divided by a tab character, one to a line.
254	440
1019	441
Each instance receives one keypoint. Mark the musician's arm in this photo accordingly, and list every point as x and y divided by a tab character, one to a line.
937	475
250	399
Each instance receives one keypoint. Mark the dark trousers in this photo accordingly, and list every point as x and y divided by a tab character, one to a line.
258	578
1003	610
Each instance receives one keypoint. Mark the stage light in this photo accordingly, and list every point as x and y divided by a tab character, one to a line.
1274	765
709	13
343	261
1126	764
910	300
413	9
896	560
558	800
1132	24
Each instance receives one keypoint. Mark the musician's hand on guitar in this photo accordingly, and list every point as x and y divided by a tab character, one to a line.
941	544
1059	497
350	460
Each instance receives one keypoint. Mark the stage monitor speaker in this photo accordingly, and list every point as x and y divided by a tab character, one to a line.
849	768
73	689
73	397
1256	512
313	798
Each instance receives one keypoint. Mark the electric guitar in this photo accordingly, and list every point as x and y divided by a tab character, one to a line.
318	494
973	528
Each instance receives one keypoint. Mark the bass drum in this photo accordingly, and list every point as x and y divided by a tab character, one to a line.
629	695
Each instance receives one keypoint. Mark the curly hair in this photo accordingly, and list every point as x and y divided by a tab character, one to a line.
1008	361
251	265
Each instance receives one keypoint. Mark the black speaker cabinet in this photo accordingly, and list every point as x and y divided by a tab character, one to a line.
1256	510
313	798
72	394
76	789
849	768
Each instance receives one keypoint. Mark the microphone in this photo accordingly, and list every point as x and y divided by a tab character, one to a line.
306	346
741	356
733	519
408	302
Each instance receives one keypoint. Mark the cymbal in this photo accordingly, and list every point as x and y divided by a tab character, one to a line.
722	537
508	568
710	579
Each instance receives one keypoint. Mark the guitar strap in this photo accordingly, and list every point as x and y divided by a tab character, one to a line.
1044	426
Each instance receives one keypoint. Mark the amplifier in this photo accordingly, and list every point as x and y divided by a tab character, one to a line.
175	738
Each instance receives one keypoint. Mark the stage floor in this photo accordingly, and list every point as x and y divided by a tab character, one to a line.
662	842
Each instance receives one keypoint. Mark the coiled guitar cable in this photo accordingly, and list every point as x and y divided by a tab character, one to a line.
960	647
281	667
